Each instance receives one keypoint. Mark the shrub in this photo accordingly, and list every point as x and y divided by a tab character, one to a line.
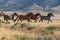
21	37
51	28
45	32
12	28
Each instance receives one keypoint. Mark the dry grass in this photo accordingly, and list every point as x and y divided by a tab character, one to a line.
20	32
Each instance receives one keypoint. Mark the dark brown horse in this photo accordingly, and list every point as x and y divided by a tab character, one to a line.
24	17
8	17
35	17
28	17
0	15
48	17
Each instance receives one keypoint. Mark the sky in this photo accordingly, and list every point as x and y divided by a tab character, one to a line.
21	4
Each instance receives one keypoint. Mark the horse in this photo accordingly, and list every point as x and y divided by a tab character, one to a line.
35	17
0	14
24	17
8	17
48	17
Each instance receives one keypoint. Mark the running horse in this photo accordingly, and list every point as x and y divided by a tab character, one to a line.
35	16
48	17
28	17
24	17
0	14
8	17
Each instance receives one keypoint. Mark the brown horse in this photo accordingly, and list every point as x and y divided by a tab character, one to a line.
0	15
35	17
24	17
28	17
8	17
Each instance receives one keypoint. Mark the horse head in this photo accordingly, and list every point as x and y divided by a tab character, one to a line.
50	14
38	14
15	14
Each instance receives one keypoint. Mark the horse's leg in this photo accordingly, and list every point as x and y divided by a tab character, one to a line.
28	20
50	20
39	20
18	20
35	20
21	20
42	21
13	20
6	21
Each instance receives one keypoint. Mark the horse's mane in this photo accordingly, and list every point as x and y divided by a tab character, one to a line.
37	14
15	13
49	14
30	13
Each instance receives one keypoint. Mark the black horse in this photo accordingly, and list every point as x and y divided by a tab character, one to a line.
48	17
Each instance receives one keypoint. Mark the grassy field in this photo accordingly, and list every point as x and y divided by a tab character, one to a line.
30	31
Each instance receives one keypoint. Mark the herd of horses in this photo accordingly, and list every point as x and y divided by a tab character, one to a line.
27	17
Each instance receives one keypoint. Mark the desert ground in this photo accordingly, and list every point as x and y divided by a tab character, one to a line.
30	31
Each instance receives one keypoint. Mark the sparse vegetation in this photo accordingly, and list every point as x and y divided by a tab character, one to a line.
3	38
38	32
51	28
21	37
